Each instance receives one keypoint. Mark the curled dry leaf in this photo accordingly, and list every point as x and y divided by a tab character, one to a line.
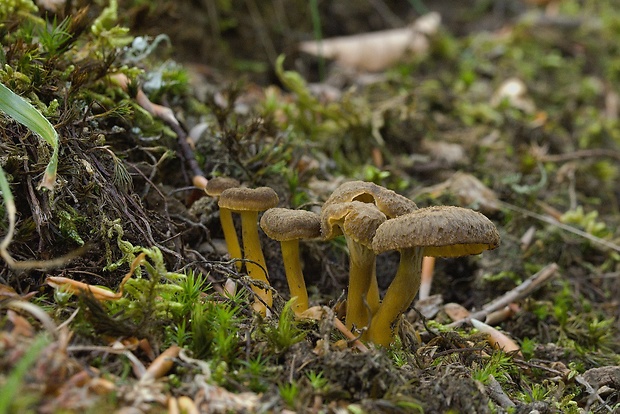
379	50
497	339
34	310
502	314
101	386
51	5
528	238
514	91
99	293
75	287
162	364
455	311
173	406
145	346
167	115
469	190
428	307
446	154
215	399
88	378
187	405
159	111
182	404
21	326
7	292
230	287
317	313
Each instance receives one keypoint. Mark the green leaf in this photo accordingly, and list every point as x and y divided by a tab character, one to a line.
15	379
23	112
9	206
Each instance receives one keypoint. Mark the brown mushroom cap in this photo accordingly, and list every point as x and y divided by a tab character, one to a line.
444	231
248	199
217	185
284	224
356	219
387	201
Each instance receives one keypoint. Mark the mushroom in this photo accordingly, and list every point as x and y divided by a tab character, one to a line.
248	202
444	231
288	227
358	222
214	188
387	201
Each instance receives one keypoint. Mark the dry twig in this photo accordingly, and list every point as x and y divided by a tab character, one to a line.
519	292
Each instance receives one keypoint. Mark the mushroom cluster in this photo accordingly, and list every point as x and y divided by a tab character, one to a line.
391	205
373	220
284	225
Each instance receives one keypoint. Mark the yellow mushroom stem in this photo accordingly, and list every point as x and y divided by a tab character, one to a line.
230	236
256	266
361	274
398	297
372	298
294	275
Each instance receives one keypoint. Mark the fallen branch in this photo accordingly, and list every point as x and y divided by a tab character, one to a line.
524	289
497	394
566	227
586	153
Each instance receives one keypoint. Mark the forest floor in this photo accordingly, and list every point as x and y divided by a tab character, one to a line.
508	108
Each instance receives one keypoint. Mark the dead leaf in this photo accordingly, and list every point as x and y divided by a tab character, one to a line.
469	190
100	293
376	51
502	314
162	364
317	313
455	311
497	339
514	91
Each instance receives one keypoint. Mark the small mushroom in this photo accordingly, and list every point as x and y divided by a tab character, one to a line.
444	231
358	222
248	202
288	227
214	188
387	201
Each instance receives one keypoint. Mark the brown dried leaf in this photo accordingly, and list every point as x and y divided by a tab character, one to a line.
455	311
376	51
162	364
496	339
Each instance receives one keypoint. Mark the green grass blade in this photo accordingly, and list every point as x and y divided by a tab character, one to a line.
11	386
9	206
23	112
